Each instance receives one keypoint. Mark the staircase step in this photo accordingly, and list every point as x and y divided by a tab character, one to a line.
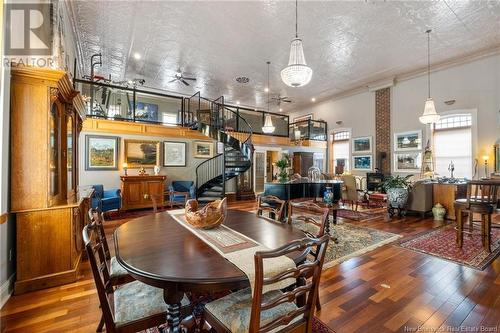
208	199
216	188
211	193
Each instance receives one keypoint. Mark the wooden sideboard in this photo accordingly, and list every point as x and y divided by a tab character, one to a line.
137	191
46	118
446	194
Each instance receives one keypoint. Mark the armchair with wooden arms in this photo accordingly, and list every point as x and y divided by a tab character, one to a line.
351	193
106	200
180	191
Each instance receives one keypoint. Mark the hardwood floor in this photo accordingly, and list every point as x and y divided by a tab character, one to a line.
390	289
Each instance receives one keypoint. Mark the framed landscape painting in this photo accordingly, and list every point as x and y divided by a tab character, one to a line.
362	145
203	149
407	162
101	152
141	153
411	140
362	162
174	154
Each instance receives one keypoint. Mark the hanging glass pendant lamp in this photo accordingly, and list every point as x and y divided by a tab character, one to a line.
430	115
297	73
268	127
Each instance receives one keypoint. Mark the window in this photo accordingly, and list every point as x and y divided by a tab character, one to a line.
341	150
453	143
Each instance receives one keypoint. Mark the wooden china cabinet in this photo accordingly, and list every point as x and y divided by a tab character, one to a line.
46	119
137	191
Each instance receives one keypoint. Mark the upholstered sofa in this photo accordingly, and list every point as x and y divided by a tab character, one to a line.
420	199
106	200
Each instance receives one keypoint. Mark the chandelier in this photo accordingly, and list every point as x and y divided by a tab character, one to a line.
297	73
430	115
268	122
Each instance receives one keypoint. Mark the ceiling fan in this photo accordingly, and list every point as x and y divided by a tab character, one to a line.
179	76
280	99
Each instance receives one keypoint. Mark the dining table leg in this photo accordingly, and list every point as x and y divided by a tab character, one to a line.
173	300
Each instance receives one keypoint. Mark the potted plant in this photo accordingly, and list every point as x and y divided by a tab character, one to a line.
397	189
282	165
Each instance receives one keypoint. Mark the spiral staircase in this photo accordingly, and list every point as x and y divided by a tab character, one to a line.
225	126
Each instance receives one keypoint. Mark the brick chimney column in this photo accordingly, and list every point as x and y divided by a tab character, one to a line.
383	129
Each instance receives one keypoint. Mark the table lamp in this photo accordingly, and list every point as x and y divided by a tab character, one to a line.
125	166
486	172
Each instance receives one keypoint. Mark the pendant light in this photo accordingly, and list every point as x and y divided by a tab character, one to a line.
268	122
430	115
297	73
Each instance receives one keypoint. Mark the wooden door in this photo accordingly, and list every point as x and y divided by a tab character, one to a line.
133	194
260	171
296	163
154	188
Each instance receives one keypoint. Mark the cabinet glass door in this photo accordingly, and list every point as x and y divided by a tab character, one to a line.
69	153
54	145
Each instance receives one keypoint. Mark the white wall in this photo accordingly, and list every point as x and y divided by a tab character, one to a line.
474	85
356	112
111	179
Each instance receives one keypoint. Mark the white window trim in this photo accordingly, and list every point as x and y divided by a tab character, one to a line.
330	146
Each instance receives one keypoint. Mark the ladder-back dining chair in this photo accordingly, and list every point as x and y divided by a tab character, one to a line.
130	307
274	311
271	204
311	213
481	199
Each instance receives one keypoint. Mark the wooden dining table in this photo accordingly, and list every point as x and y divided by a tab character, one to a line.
157	250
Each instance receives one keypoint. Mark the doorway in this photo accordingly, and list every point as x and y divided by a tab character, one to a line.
271	169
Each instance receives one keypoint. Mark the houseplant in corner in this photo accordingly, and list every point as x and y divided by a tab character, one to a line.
397	189
282	165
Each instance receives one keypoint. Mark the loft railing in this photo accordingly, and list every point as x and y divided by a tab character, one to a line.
116	102
308	130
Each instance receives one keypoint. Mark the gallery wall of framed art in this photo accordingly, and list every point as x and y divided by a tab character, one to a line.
362	153
407	155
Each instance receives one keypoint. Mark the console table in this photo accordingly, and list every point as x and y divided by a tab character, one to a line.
446	194
137	191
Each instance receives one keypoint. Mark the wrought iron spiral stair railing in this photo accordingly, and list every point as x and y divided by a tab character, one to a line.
225	126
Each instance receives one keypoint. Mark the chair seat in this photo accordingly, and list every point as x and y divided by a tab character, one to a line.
234	310
116	270
475	206
137	300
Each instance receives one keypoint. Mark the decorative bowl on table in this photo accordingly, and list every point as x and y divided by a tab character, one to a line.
208	217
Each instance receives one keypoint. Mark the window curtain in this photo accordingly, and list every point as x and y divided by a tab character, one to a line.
453	145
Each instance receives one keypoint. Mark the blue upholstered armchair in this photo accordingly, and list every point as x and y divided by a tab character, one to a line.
180	191
106	200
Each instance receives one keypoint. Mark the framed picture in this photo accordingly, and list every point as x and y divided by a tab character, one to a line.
203	149
101	152
407	162
140	153
411	140
302	118
362	144
362	162
174	154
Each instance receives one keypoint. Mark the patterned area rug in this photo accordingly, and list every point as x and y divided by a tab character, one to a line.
441	243
352	240
367	215
317	327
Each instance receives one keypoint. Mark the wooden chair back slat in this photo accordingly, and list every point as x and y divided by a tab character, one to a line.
277	206
315	214
303	289
96	255
482	192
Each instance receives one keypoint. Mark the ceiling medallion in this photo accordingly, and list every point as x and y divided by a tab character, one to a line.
242	79
297	73
268	127
430	115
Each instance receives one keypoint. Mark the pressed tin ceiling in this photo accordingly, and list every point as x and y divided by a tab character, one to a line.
346	43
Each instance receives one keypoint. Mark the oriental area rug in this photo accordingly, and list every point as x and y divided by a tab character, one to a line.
317	327
441	243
